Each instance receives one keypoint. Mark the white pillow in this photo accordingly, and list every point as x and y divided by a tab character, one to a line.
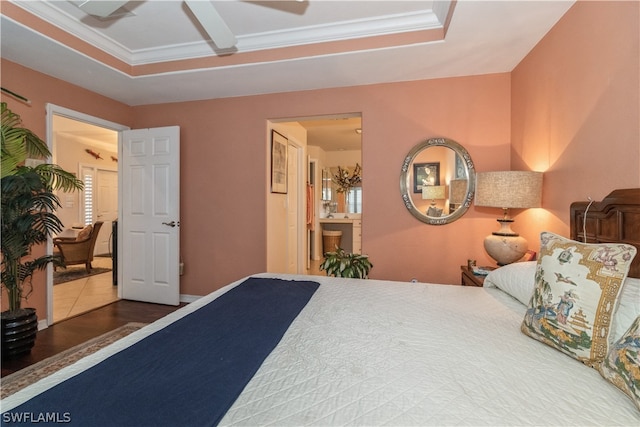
517	279
628	308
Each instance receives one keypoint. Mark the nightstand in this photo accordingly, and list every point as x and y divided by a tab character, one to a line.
470	279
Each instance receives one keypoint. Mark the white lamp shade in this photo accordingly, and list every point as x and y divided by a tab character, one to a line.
434	192
509	189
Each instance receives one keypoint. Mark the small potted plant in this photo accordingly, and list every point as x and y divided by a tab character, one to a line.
28	219
344	264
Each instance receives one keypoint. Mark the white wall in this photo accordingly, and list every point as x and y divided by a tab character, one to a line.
70	155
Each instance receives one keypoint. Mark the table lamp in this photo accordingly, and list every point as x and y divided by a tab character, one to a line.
434	192
507	190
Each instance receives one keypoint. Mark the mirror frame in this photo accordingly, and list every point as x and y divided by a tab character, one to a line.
405	184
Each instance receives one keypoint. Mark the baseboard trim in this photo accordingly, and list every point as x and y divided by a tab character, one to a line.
189	298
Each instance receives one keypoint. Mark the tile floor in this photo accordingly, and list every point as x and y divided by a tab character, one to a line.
83	295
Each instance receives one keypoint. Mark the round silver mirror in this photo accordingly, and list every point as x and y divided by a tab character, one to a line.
437	181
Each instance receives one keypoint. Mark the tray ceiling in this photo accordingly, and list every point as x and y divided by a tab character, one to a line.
151	52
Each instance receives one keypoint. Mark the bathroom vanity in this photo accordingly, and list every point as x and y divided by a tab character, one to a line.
351	228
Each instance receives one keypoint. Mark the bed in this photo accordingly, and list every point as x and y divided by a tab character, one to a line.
357	352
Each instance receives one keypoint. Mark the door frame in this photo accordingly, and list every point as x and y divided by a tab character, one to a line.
301	204
56	110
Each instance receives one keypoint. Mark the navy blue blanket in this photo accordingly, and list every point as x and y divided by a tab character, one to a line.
187	374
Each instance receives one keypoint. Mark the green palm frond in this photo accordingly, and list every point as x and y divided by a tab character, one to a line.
57	178
18	143
27	214
25	272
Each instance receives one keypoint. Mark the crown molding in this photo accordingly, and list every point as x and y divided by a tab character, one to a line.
344	30
44	10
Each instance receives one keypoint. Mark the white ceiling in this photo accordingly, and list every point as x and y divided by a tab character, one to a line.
282	46
97	137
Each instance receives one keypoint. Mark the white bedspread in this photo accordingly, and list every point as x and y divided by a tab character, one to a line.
390	353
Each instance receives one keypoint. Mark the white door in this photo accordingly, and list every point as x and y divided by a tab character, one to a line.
292	209
106	208
149	223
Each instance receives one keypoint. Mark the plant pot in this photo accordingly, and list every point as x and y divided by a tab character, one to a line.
19	330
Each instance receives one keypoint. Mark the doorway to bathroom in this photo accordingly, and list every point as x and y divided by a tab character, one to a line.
322	143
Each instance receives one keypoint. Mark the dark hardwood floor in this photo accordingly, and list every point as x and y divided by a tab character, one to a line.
76	330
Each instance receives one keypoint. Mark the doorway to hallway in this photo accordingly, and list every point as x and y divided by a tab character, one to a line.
83	145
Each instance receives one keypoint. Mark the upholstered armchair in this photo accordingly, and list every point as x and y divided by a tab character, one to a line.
79	250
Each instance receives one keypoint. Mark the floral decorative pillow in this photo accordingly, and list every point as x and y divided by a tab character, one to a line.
622	365
576	291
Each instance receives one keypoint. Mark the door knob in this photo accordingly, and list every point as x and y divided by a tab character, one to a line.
170	224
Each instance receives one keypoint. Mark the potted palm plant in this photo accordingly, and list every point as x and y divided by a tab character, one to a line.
344	264
28	219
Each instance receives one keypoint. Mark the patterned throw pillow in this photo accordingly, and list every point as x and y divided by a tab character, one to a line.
622	365
577	287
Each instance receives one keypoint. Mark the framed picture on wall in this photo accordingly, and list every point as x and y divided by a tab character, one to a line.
278	163
425	174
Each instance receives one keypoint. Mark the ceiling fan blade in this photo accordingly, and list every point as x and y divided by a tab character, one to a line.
212	22
101	8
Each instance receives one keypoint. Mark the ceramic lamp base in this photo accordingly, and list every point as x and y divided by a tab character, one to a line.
505	246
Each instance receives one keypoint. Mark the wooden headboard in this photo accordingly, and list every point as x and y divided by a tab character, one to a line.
614	219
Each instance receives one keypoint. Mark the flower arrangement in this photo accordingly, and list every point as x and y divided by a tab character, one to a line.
345	181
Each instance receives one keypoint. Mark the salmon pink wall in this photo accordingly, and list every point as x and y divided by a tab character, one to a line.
224	161
576	109
40	90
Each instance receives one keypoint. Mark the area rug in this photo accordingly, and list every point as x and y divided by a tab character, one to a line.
69	274
29	375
